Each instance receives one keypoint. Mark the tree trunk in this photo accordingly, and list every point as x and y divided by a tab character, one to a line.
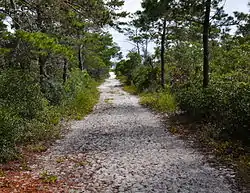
137	43
163	81
16	24
206	27
16	18
65	71
80	59
138	48
41	59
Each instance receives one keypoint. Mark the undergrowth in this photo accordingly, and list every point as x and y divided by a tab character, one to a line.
159	101
29	118
130	89
46	177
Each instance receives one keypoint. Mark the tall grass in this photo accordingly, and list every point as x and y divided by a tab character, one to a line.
159	101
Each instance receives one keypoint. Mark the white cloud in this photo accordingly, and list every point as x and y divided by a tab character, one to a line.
132	5
8	23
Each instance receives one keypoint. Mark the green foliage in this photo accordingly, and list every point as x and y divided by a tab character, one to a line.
81	94
21	102
146	78
39	82
130	89
226	101
222	102
46	177
126	67
44	44
133	72
159	101
20	92
184	63
53	91
231	57
27	117
8	129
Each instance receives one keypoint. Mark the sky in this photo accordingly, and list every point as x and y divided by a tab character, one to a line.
134	5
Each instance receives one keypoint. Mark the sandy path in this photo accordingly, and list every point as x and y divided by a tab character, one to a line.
123	147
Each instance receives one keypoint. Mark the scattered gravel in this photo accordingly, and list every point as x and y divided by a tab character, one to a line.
123	147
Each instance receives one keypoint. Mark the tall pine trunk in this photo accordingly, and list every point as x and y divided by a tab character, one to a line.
41	59
206	26
80	59
17	26
137	44
138	49
163	36
65	71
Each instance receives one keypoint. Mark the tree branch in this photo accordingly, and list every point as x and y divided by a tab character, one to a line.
193	20
218	11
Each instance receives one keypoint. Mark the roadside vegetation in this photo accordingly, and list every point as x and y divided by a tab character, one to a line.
53	55
198	73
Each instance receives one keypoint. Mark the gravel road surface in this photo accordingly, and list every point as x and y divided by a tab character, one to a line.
124	147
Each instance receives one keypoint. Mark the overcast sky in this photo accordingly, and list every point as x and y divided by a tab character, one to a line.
134	5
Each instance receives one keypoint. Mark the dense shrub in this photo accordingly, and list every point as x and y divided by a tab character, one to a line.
146	78
127	67
20	102
39	85
9	124
222	102
20	92
81	94
53	92
26	116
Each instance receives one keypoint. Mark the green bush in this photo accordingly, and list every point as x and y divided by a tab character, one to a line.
222	102
146	78
9	124
160	101
127	67
53	92
26	116
81	94
130	89
21	102
20	92
123	79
